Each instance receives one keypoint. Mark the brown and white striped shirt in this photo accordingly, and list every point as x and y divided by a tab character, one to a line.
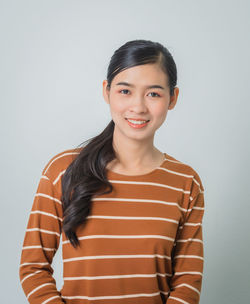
142	243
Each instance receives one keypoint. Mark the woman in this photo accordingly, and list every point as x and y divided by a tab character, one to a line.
130	216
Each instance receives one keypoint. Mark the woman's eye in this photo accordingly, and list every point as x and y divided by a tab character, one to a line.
124	90
155	93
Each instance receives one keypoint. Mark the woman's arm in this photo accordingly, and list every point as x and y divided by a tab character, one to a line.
188	253
41	241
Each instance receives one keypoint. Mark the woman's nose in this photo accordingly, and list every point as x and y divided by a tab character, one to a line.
138	104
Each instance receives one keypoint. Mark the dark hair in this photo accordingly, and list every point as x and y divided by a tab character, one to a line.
86	175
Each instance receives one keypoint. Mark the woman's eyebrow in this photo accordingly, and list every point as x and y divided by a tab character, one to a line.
154	86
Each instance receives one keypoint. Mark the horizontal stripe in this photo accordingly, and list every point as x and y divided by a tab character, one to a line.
188	256
176	173
34	263
137	295
192	198
37	288
50	299
132	218
179	300
137	200
165	292
175	161
189	240
116	276
192	224
43	230
58	177
60	156
188	272
198	208
149	184
117	256
188	286
30	275
38	246
115	236
197	183
49	197
47	214
45	177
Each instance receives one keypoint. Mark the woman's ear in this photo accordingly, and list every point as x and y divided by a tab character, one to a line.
173	99
105	90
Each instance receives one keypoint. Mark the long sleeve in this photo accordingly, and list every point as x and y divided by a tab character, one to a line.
41	241
188	254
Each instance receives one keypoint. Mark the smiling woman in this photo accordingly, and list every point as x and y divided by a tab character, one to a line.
130	216
147	99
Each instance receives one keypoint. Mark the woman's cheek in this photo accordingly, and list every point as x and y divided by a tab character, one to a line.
119	105
160	109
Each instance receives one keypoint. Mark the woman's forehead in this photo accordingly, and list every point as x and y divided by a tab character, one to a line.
142	75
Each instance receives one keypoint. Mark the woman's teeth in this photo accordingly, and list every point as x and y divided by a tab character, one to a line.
137	122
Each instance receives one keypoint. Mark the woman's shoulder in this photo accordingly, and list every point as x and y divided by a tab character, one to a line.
182	168
179	165
58	163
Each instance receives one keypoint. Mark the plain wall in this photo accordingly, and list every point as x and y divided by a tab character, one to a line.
53	58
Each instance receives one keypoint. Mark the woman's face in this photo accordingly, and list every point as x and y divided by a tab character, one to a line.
130	97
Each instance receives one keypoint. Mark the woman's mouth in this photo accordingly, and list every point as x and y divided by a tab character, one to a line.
137	124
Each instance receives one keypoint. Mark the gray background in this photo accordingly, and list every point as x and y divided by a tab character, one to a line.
54	56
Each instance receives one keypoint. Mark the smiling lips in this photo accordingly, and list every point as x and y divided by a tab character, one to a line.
137	119
137	123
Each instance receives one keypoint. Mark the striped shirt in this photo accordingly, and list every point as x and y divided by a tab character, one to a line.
142	243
